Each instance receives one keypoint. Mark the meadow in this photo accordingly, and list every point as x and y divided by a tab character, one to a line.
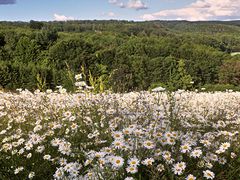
137	135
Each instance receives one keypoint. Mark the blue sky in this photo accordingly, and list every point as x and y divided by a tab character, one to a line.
138	10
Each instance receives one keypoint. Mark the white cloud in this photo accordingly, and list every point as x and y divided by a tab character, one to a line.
200	10
131	4
109	14
58	17
136	4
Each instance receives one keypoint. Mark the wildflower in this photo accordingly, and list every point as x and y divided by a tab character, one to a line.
224	146
117	161
205	142
118	144
209	165
222	160
21	151
48	91
68	167
138	132
196	153
170	141
59	174
28	145
129	178
87	162
213	157
6	147
62	161
158	89
74	173
179	168
17	170
74	126
3	132
40	149
185	148
117	135
102	161
160	168
100	154
190	177
29	155
158	152
78	76
148	161
47	157
37	128
127	131
67	114
80	84
148	144
208	174
159	135
133	162
168	135
132	169
31	175
233	155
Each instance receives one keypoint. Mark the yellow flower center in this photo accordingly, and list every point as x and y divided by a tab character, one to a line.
118	161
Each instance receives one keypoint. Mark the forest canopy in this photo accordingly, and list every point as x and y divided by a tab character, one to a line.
120	55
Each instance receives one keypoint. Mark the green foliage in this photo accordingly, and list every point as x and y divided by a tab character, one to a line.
100	83
46	38
220	87
41	83
118	55
180	79
35	24
2	40
26	50
229	72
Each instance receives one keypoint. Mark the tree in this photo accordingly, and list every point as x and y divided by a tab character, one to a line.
75	52
27	50
45	38
180	79
35	24
229	72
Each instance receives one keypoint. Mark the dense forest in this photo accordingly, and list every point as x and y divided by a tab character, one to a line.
120	55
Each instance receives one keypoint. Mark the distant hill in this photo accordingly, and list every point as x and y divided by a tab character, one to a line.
134	27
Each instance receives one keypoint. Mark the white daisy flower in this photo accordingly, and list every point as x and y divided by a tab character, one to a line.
117	161
133	162
148	144
190	177
208	174
132	169
185	148
117	135
196	153
148	162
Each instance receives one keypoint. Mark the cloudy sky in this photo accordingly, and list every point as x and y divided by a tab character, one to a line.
138	10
